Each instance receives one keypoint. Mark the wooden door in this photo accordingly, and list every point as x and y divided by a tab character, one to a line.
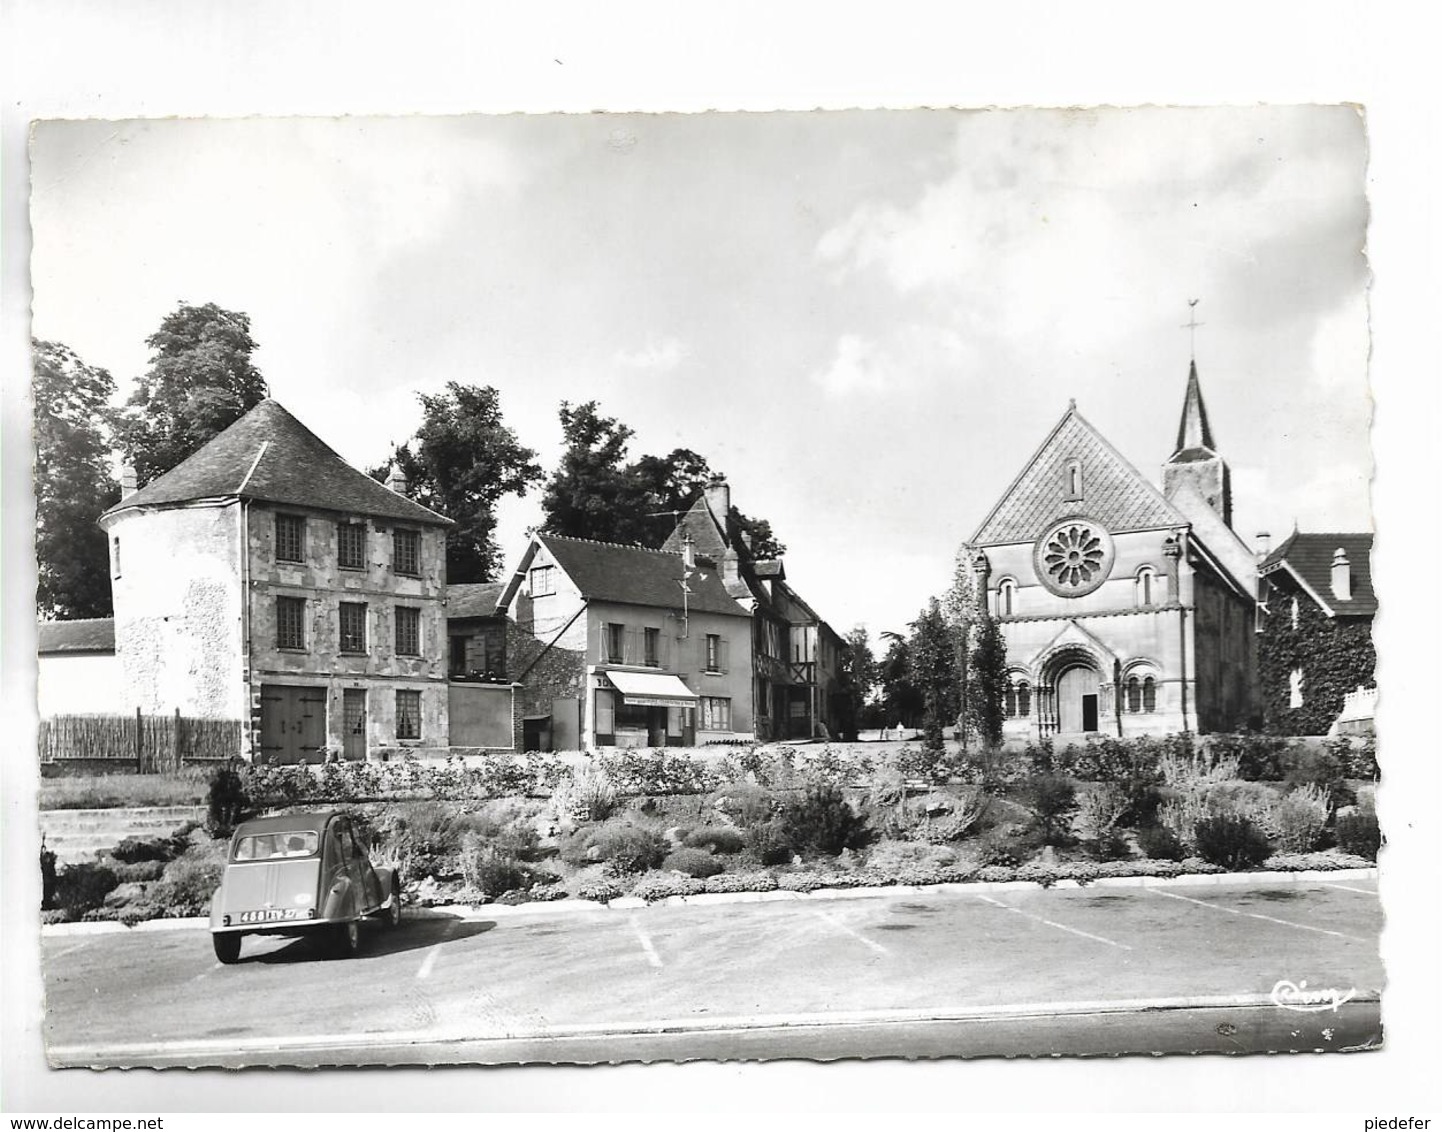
292	723
353	724
1076	692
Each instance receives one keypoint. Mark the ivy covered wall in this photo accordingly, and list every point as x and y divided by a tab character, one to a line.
1335	656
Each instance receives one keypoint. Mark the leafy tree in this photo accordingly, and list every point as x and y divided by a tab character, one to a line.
671	483
986	693
73	484
960	607
200	381
764	543
933	668
461	462
901	700
592	494
857	678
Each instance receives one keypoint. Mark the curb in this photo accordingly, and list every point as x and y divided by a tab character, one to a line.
631	903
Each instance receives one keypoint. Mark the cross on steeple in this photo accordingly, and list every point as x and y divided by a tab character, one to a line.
1192	324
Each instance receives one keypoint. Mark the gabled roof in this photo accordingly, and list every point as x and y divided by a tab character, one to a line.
94	634
700	522
631	575
1194	433
1113	493
1308	558
474	600
268	455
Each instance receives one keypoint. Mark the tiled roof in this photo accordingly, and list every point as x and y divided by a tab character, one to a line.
633	575
700	523
270	456
96	634
1113	493
1194	432
1310	557
473	600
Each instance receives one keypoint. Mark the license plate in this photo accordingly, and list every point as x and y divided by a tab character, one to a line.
265	915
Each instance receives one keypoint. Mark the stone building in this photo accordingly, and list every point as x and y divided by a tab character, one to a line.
624	646
1126	609
264	579
1314	631
796	657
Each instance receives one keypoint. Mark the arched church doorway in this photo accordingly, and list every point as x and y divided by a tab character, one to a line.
1078	699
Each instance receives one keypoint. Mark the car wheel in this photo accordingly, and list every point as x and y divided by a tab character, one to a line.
347	938
393	913
227	946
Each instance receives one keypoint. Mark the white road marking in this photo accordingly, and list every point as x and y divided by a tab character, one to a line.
651	956
72	948
839	926
1258	916
1348	888
1054	924
429	962
208	971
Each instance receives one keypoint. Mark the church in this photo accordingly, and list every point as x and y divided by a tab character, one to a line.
1126	609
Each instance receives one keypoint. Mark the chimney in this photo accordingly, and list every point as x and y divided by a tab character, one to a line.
718	498
129	484
396	481
1264	544
1341	575
730	567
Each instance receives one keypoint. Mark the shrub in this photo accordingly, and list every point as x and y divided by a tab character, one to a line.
226	802
623	846
717	838
1313	862
186	886
656	772
693	862
898	855
1008	849
1099	814
995	874
1231	841
1160	843
800	882
822	821
770	843
83	886
1052	798
1358	833
741	882
588	796
138	871
1324	768
489	869
1299	819
601	889
426	836
658	886
746	803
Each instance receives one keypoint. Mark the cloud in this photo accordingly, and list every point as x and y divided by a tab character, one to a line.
656	356
856	367
910	357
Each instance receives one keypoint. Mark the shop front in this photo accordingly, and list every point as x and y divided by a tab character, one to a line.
644	709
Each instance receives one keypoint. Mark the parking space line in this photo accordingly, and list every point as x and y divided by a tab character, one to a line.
429	962
1054	924
1348	888
1258	916
839	926
651	956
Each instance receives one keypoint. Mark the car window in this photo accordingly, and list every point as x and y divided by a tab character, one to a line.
270	846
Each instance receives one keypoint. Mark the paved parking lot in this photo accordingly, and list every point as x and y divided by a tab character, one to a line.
893	958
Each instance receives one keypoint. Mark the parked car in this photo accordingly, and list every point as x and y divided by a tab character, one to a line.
299	874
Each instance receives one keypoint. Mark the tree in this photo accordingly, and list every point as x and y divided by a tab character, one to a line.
934	675
960	607
592	494
671	483
986	697
461	462
857	679
73	483
764	543
900	698
200	381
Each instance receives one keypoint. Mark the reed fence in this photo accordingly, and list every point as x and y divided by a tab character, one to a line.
148	743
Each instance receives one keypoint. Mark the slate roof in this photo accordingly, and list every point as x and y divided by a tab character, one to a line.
633	575
474	600
269	456
95	634
1114	493
705	531
1309	556
1194	433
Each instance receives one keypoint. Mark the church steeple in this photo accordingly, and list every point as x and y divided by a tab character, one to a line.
1194	431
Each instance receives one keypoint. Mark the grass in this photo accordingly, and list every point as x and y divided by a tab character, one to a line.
112	791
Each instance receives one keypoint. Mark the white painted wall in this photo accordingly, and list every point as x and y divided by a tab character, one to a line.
80	684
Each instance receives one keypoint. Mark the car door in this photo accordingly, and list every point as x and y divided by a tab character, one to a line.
364	882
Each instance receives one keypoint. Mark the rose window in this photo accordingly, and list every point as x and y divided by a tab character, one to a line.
1074	557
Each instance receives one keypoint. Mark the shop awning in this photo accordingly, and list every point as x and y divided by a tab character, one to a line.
652	689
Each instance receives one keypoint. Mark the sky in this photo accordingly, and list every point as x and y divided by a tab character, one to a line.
868	321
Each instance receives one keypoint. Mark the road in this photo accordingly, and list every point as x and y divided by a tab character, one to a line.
939	972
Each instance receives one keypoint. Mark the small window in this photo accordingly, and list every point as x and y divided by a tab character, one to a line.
1146	586
715	713
290	622
408	630
1149	694
653	648
1073	479
115	557
352	626
1134	694
1296	610
408	714
543	581
714	662
289	538
1006	598
351	546
1295	697
1023	699
615	643
407	559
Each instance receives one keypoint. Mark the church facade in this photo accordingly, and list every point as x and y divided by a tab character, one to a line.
1126	609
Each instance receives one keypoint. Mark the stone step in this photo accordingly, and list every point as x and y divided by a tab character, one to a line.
77	835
